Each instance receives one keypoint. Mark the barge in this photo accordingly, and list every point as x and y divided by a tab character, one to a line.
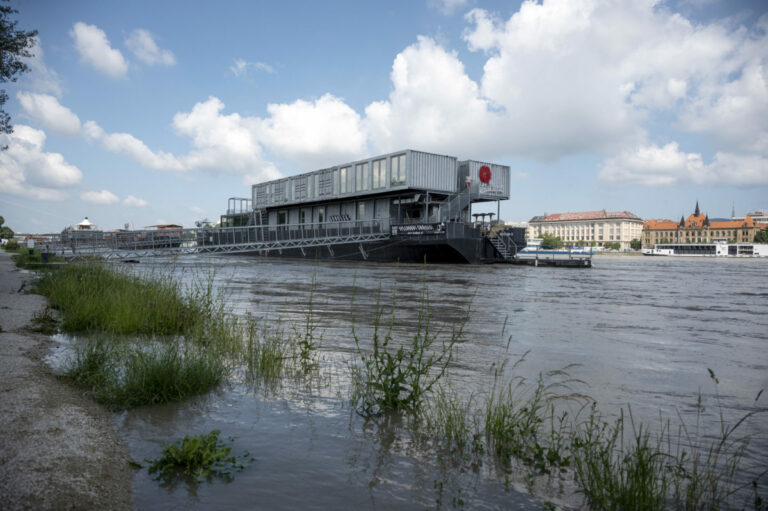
407	206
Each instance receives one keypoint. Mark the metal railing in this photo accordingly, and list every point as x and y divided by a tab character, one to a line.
144	243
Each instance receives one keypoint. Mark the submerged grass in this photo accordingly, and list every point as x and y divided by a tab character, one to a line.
391	380
616	464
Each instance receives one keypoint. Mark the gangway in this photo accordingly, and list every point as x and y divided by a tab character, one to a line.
210	240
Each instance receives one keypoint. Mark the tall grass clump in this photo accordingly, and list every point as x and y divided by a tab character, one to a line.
97	297
399	379
521	421
266	354
124	375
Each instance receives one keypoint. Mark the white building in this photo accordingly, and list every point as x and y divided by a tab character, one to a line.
589	227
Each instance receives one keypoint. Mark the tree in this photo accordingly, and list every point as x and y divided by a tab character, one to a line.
635	244
5	232
762	236
549	241
15	45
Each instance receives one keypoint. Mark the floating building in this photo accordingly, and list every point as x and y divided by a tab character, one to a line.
407	206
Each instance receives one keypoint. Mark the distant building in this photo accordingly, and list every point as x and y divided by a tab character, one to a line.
589	227
698	228
760	217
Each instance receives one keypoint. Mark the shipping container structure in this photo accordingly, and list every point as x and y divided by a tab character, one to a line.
420	202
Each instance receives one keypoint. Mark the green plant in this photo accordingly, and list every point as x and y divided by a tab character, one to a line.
45	322
306	341
198	457
389	379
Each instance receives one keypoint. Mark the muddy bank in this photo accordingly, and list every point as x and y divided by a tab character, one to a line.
58	449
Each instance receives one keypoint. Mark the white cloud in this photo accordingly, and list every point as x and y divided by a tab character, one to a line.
434	106
51	114
652	165
241	67
313	134
143	46
576	76
134	202
27	171
103	197
41	78
128	145
197	210
94	48
522	175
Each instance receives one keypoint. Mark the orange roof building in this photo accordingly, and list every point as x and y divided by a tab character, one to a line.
698	228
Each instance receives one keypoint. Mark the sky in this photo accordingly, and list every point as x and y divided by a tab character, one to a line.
143	112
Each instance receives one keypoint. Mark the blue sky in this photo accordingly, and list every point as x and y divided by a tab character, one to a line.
153	112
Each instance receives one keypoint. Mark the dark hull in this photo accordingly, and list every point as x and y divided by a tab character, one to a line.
387	251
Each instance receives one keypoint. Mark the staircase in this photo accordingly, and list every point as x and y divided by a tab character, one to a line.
501	248
452	210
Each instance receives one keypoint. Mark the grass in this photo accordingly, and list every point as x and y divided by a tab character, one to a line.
45	322
615	463
23	259
198	458
127	374
96	297
388	379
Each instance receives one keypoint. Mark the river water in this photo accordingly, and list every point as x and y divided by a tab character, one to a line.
641	332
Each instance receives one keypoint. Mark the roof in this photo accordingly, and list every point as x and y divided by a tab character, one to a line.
586	215
695	221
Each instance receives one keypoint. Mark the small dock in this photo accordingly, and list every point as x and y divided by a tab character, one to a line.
561	261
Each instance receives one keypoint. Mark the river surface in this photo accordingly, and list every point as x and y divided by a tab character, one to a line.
638	331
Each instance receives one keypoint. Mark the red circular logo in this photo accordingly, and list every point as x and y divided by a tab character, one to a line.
485	174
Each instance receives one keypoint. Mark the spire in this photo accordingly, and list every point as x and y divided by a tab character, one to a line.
733	210
697	212
706	220
682	221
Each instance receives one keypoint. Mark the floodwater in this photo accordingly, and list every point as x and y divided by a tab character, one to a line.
641	332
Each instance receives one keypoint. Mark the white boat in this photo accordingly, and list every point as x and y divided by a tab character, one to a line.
533	247
717	248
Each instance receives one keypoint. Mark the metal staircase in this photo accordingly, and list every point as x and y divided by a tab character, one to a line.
461	201
501	248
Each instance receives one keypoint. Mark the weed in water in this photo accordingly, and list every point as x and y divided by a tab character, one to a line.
388	379
198	458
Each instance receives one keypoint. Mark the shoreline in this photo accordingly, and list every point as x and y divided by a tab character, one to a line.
58	448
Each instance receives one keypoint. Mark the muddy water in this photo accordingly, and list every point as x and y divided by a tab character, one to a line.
642	331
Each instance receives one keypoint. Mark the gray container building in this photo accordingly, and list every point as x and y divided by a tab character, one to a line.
421	201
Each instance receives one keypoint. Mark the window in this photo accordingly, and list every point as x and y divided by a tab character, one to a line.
302	217
360	210
346	179
321	215
361	177
379	174
398	170
310	188
282	218
336	182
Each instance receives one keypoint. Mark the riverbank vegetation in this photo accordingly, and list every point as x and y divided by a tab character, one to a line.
146	340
